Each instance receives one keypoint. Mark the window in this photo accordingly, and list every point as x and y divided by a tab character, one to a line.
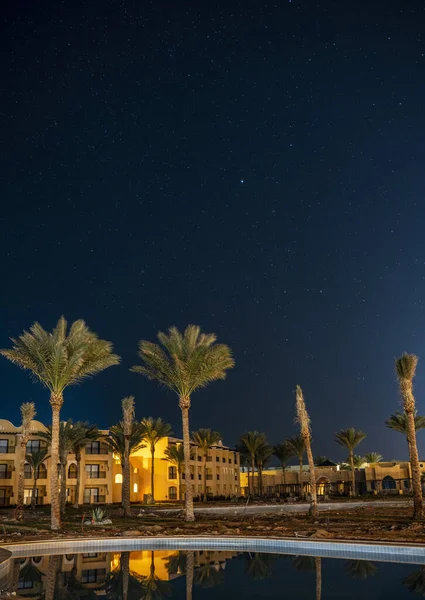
4	472
93	448
218	477
388	483
135	488
172	473
406	484
230	461
92	471
199	458
36	559
90	555
4	446
27	471
42	471
118	478
199	476
209	458
93	575
25	584
223	460
72	471
91	495
33	446
217	459
172	492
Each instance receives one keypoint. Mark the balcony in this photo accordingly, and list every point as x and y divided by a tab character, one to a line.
96	475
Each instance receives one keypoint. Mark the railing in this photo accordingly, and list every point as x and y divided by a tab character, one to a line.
94	500
96	475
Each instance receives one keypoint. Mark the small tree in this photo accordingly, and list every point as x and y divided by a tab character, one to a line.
350	438
284	452
205	439
373	457
297	445
253	440
27	416
174	454
35	460
304	422
154	429
262	456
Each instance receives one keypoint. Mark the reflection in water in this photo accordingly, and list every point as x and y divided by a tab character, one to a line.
149	575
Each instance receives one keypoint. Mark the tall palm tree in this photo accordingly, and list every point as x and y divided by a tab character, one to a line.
184	363
127	405
123	446
398	422
205	439
155	429
66	435
262	456
305	432
83	434
284	452
297	445
373	457
174	454
59	359
253	440
406	368
28	413
350	438
35	460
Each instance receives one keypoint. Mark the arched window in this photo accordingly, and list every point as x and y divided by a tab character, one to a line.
172	473
172	493
118	478
388	483
72	471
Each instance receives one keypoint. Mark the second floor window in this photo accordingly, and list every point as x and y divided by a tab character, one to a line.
4	472
172	473
92	471
33	446
93	448
4	446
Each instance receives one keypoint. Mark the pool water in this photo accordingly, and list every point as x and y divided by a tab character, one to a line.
202	575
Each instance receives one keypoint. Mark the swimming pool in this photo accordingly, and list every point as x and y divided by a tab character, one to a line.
200	567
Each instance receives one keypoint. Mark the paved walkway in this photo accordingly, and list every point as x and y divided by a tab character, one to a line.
291	508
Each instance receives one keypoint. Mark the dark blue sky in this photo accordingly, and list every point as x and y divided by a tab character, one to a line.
253	167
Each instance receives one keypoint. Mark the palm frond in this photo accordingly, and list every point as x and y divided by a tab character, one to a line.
350	438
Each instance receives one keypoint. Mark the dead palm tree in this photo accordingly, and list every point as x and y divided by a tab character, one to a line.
283	452
28	413
262	456
174	454
297	445
252	441
205	439
350	438
83	434
59	359
155	429
406	368
185	363
373	457
35	460
304	422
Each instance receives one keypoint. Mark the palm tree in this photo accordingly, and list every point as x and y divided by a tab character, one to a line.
360	569
319	460
350	438
284	452
304	422
205	439
127	405
66	435
358	461
190	563
308	564
262	456
318	566
35	460
415	582
252	441
208	575
373	457
406	368
185	363
259	565
154	588
297	445
59	359
83	434
28	413
245	460
154	429
50	585
174	454
398	422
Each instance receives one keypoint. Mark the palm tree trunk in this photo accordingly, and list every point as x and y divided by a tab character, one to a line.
284	476
414	463
14	575
184	403
353	474
34	491
205	477
51	576
190	560
252	474
125	571
260	475
313	491
318	562
153	473
63	488
78	485
56	402
248	477
301	478
179	471
126	479
19	511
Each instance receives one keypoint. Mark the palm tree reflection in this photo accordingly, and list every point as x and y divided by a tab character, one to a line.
360	569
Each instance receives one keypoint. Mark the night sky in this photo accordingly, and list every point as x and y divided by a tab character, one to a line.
253	167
